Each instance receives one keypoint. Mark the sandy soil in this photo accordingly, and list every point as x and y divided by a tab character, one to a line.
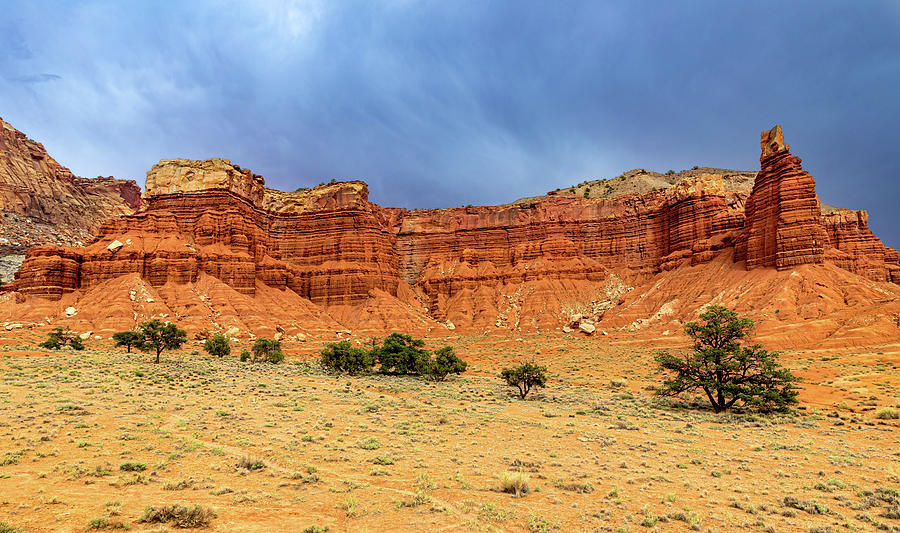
383	453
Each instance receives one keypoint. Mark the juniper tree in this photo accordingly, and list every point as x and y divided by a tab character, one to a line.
728	371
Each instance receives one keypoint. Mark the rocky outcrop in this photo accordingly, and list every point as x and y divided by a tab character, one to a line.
783	227
42	202
530	265
172	176
852	246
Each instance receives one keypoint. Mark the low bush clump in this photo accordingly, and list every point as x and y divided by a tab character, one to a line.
217	345
266	350
515	483
179	516
132	466
888	413
444	363
344	357
399	354
251	463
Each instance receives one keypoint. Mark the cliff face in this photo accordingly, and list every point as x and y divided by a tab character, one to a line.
34	185
523	266
42	202
783	220
852	246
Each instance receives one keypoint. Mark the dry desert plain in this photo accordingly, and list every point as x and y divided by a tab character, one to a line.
89	440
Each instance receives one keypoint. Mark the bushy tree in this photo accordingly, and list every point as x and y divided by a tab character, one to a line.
60	337
524	377
127	339
157	336
267	350
444	363
217	345
344	357
399	354
727	371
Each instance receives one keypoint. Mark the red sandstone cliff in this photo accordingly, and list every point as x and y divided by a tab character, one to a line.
214	248
42	201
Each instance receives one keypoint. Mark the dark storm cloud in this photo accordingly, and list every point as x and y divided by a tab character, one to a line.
451	103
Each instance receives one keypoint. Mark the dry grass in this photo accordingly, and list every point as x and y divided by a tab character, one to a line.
594	451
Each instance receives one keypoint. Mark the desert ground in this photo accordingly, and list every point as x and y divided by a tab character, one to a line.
89	440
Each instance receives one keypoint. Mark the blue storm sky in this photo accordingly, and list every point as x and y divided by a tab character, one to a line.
452	102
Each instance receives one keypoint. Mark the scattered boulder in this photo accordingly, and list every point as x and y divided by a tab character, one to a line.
587	327
86	335
114	246
71	311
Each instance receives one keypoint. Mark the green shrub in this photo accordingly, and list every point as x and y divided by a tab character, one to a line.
444	363
267	350
399	354
157	336
128	339
217	345
524	377
724	369
344	357
132	466
245	356
60	337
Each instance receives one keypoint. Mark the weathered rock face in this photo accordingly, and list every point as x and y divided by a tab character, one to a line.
853	246
171	176
332	256
214	226
41	201
783	226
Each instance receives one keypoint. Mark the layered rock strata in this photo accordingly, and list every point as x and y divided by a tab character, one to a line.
783	226
530	264
35	186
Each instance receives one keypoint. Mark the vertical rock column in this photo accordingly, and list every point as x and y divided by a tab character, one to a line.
783	225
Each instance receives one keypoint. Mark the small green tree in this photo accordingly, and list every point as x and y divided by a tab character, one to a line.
444	363
267	350
726	370
127	339
524	377
399	354
217	345
61	337
158	336
344	357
